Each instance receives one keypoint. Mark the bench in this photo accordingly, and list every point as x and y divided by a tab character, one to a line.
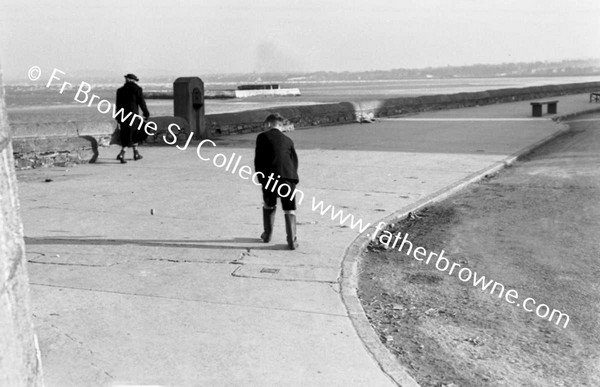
595	96
537	107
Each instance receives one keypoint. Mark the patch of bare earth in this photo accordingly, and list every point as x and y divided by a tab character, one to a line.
534	228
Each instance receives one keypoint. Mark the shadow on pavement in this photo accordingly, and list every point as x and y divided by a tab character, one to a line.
254	243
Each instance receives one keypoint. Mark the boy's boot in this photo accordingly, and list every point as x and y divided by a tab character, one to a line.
268	220
290	229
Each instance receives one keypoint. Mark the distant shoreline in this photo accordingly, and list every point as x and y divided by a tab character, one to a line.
585	67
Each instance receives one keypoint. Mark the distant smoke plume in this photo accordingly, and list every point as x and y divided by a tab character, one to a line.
270	58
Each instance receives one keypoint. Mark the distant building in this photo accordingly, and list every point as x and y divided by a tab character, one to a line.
269	86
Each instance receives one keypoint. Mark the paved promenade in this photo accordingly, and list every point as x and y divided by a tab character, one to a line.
188	296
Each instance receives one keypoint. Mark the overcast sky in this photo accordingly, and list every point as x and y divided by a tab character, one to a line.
223	36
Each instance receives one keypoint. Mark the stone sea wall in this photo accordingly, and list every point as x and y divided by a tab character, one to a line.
43	144
348	112
298	116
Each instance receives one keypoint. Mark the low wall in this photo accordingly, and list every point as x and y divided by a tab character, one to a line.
298	116
72	142
397	106
59	144
69	143
35	152
348	112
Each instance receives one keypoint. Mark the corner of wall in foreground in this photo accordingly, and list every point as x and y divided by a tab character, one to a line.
20	363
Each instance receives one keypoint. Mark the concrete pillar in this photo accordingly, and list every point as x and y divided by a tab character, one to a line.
20	363
188	103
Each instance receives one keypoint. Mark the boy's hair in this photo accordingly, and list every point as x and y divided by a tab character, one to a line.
274	118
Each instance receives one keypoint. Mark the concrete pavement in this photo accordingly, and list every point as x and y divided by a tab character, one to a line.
188	296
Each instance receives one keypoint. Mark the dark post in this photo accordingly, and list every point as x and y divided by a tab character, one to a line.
188	103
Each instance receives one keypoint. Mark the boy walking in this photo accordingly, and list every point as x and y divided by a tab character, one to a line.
276	160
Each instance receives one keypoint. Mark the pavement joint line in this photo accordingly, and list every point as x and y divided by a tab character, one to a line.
81	344
353	254
234	262
349	190
175	260
225	304
103	254
136	242
336	267
70	264
234	274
